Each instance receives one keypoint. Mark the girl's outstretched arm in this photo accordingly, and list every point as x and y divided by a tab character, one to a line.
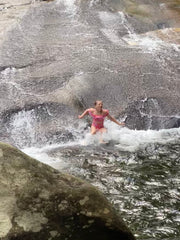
83	114
114	120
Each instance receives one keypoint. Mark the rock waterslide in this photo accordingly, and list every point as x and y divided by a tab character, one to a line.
65	54
57	57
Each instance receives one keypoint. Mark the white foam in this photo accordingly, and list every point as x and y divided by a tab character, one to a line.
70	5
131	140
93	2
165	230
177	219
22	127
110	20
113	23
9	71
41	154
112	35
122	138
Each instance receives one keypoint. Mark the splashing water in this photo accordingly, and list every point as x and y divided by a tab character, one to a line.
70	5
116	25
22	129
138	172
120	138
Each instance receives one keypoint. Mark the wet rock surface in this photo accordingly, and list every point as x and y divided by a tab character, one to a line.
39	202
142	185
56	58
38	124
73	53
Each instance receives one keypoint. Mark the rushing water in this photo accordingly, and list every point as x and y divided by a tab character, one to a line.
138	171
80	53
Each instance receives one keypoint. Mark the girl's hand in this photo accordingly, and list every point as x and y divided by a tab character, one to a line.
122	124
84	113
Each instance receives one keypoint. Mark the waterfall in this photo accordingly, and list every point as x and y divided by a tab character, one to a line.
22	128
57	58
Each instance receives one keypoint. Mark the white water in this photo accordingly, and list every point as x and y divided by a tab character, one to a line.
124	138
114	24
121	138
70	5
22	128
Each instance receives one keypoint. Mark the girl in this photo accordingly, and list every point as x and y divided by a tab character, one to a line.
98	115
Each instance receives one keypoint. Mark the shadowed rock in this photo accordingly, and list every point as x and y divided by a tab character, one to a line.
38	202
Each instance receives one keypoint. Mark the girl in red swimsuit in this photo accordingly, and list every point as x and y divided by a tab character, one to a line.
98	115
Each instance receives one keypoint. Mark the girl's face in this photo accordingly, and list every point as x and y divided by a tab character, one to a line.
99	105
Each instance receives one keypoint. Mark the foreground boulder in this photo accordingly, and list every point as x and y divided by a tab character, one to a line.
38	202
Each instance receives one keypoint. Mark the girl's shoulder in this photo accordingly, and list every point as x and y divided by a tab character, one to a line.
91	110
105	112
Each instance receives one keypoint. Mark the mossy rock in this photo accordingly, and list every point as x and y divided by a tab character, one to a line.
39	202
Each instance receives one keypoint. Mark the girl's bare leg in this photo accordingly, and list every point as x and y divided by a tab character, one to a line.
93	130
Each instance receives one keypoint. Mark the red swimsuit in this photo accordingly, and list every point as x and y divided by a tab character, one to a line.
98	120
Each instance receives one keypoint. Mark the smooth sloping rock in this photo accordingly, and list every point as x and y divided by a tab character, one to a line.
73	52
38	202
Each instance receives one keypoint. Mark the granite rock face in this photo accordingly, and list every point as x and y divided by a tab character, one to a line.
70	53
38	202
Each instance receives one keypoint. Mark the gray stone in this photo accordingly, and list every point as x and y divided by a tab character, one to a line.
38	202
72	54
